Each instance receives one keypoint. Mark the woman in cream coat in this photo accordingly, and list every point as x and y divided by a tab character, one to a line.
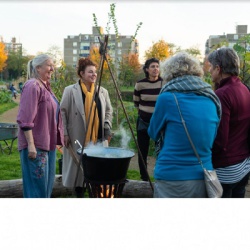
75	107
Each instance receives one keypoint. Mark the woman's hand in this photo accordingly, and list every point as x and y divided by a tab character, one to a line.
66	141
32	153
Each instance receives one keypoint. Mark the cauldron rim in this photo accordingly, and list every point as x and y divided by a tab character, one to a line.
107	148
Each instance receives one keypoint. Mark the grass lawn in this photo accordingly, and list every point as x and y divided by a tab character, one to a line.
10	167
6	106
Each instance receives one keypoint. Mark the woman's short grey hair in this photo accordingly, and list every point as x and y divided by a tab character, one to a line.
180	64
227	59
34	63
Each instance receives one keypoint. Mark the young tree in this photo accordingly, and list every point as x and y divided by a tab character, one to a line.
243	50
194	51
130	69
115	63
160	50
3	56
16	64
66	75
95	56
55	52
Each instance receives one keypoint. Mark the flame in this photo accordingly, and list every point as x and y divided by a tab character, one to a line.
106	194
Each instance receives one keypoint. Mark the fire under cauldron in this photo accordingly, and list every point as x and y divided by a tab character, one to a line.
105	170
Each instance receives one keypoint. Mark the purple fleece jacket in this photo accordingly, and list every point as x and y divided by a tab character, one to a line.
37	111
231	145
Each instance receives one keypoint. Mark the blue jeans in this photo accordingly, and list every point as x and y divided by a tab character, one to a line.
235	190
38	174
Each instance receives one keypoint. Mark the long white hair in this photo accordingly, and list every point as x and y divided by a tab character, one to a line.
34	63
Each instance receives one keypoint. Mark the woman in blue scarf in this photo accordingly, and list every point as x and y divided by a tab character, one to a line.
178	173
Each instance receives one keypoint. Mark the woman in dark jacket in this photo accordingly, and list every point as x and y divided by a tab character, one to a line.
231	153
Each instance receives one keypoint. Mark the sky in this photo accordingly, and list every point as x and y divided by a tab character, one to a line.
38	25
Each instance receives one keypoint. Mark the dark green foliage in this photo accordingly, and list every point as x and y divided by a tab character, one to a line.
65	76
127	96
5	96
242	49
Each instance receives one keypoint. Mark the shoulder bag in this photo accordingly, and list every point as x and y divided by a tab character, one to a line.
213	186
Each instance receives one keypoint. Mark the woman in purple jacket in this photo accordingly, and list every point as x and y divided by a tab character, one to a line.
40	129
231	153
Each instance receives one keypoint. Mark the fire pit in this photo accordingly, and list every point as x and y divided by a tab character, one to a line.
105	170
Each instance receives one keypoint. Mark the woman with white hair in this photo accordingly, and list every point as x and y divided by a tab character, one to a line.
178	174
40	129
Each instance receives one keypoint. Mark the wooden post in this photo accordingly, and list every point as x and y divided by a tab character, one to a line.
132	189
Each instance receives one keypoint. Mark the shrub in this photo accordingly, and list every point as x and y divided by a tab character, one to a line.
5	96
127	96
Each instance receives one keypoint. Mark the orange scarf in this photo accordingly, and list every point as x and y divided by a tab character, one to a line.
93	126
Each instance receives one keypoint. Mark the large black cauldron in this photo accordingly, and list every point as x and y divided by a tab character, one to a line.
106	164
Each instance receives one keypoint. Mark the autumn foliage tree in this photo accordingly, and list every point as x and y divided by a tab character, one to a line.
95	56
160	50
129	69
3	56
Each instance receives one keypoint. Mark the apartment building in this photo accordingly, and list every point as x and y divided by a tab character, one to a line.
13	45
231	39
77	46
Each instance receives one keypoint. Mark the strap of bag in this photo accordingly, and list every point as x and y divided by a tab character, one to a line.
186	130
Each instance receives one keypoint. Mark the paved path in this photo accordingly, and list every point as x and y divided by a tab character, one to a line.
10	115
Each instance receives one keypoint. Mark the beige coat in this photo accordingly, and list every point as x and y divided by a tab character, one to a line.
74	123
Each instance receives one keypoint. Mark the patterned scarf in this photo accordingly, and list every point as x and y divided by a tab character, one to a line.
192	84
188	84
92	132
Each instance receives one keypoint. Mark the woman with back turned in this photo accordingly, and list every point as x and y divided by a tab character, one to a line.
178	174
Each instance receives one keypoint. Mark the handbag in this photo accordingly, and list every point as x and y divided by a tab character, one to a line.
212	183
159	144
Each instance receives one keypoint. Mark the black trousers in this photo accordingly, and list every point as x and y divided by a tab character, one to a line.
235	190
143	140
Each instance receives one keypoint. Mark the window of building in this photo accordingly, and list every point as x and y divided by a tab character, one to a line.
74	44
112	46
236	37
84	55
74	58
119	44
74	51
96	39
85	46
